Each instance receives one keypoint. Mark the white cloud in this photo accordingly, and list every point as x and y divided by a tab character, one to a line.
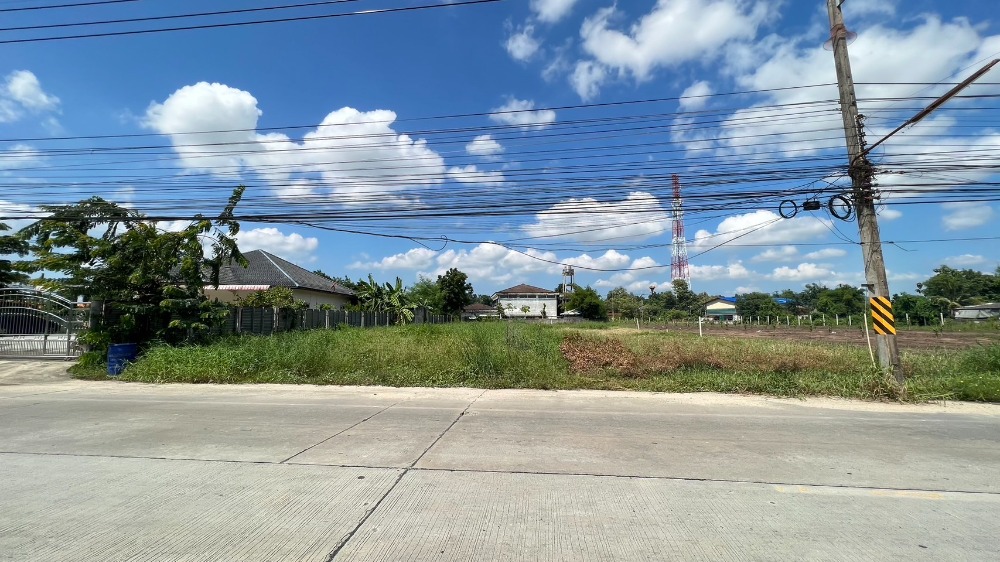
484	146
415	259
880	56
12	209
966	215
587	78
825	254
674	32
860	8
288	246
784	253
23	87
640	215
761	227
965	260
696	95
734	270
522	45
610	260
21	92
522	113
353	155
804	272
472	175
551	11
889	214
20	156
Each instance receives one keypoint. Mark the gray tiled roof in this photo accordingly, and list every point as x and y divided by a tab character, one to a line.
525	289
268	269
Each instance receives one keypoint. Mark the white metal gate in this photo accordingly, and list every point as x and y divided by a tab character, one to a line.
38	324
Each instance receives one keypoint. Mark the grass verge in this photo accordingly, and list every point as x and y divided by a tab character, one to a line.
523	355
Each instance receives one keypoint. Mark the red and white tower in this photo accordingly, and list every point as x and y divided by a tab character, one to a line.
679	261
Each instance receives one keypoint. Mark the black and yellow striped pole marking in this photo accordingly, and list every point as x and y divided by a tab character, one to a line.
882	320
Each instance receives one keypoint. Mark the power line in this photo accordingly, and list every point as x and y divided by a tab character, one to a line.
374	11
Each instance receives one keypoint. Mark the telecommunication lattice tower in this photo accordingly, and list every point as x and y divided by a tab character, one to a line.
679	259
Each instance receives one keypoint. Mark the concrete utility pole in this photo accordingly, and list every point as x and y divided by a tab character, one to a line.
861	173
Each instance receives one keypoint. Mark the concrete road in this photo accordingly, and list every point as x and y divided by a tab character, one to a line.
115	471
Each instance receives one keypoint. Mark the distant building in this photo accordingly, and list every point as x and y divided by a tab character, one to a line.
986	311
477	310
265	270
539	302
722	309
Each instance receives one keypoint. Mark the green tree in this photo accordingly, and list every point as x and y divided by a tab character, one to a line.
274	297
588	303
426	293
758	304
843	300
808	298
686	299
620	301
151	276
961	286
10	245
456	291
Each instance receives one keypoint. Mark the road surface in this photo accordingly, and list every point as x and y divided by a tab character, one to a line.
116	471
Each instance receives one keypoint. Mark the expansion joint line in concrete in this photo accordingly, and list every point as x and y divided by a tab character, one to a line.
338	433
347	538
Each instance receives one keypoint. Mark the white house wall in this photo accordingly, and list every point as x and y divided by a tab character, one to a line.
534	303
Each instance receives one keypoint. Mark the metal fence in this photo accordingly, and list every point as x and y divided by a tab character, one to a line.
38	324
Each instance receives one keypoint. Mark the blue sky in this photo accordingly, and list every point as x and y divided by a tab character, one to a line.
550	126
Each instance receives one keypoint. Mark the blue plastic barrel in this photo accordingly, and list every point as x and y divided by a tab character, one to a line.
119	356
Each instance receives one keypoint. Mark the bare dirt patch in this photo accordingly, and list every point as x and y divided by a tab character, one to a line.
911	340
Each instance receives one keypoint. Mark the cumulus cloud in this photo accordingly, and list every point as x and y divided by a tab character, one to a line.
12	209
696	95
640	215
611	259
521	44
587	78
965	260
472	175
761	227
963	216
484	146
734	270
289	246
415	259
784	253
803	272
889	214
20	93
551	11
672	33
522	113
20	156
353	155
880	56
826	253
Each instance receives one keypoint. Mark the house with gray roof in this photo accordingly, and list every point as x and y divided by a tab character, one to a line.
265	270
527	301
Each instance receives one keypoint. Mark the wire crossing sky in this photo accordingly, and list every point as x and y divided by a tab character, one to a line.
509	138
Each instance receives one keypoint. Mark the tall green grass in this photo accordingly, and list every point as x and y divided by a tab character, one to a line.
525	355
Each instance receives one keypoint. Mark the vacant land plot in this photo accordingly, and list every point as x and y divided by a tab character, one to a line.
914	339
523	355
